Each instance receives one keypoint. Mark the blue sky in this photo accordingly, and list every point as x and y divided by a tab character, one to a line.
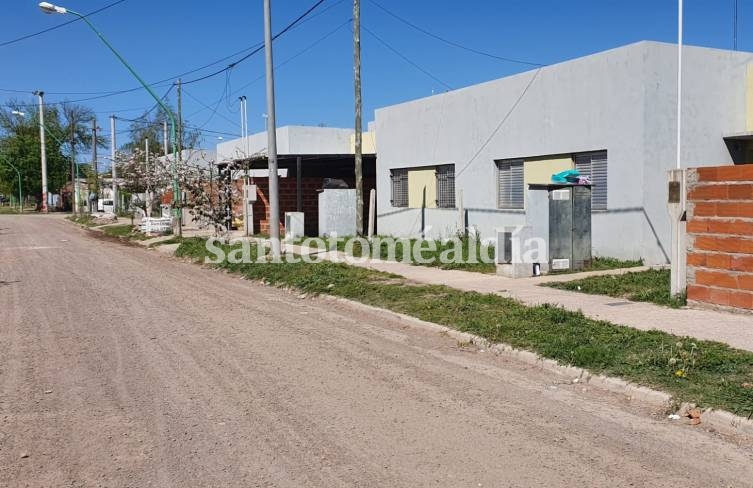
163	38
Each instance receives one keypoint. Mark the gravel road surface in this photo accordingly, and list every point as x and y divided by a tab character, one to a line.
121	367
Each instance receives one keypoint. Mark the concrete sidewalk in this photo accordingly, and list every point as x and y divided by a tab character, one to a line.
733	329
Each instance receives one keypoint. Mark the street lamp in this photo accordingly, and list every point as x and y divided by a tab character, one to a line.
20	194
50	8
43	151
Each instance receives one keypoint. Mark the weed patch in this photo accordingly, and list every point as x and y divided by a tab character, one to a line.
714	374
652	286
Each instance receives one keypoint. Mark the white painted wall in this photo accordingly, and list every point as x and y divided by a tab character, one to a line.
622	100
291	139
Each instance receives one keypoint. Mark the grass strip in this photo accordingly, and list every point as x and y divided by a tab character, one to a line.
125	231
708	373
84	219
652	286
472	252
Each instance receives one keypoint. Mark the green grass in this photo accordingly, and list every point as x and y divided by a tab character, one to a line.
644	286
125	231
8	210
469	249
603	264
707	373
83	219
171	240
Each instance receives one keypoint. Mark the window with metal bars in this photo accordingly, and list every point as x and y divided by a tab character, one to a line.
510	184
446	186
399	195
594	165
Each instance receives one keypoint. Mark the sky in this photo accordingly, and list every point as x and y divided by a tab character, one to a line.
314	79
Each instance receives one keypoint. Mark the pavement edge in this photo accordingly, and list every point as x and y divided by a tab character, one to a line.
720	420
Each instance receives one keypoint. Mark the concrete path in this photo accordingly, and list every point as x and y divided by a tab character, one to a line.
733	329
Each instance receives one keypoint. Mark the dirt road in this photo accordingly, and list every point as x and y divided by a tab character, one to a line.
120	367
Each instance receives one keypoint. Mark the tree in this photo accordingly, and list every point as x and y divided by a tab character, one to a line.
67	132
150	126
208	192
19	143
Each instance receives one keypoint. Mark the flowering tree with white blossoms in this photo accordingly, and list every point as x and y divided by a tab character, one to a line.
207	192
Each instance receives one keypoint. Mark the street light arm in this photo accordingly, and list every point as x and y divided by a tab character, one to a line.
125	63
168	112
20	190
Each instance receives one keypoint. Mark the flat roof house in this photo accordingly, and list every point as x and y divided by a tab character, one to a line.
306	156
611	115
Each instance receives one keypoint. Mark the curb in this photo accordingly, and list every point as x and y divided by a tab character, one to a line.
720	420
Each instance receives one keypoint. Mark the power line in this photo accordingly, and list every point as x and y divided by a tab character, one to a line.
28	36
217	105
258	49
277	66
501	122
207	107
212	131
452	43
254	49
298	54
406	59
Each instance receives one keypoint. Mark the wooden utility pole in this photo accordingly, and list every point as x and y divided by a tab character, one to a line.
358	128
180	119
74	180
177	198
94	166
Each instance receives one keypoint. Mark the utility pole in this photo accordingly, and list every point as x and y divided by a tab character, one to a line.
43	149
244	135
94	166
114	171
274	197
165	146
180	119
679	82
148	181
177	198
735	9
359	132
74	180
164	139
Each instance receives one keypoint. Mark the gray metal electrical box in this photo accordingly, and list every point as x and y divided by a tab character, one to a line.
569	227
337	212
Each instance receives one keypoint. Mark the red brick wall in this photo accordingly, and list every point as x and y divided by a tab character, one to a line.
309	201
720	236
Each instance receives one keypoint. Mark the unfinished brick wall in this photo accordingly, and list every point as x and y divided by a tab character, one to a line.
720	237
310	187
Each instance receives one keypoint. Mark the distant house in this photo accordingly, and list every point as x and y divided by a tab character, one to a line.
201	158
196	158
307	157
611	115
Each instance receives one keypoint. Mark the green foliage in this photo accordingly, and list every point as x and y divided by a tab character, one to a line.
471	250
68	131
82	219
125	231
605	263
715	374
652	286
602	263
150	126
